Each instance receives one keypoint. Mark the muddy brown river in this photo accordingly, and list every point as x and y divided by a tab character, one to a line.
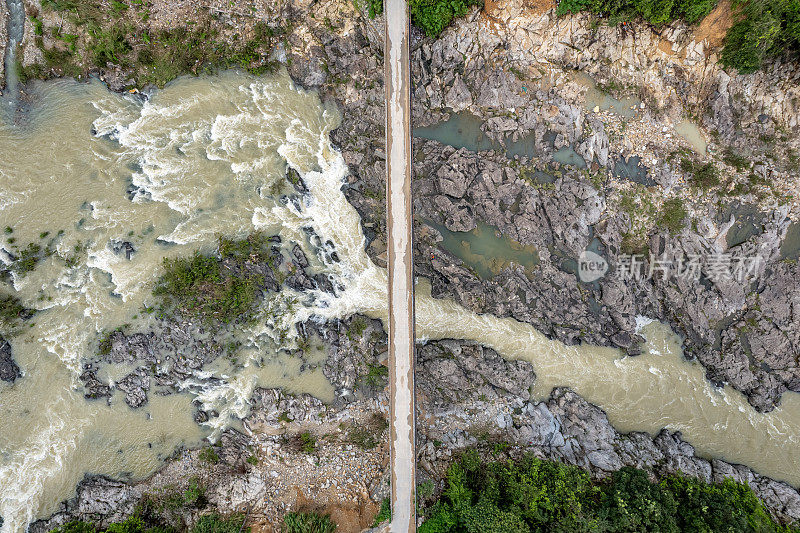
207	156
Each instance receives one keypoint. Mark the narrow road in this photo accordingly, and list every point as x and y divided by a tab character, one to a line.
401	281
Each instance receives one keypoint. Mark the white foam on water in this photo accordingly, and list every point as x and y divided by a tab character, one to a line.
208	150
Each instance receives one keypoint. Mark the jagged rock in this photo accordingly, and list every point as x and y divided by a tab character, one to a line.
98	500
135	386
453	370
9	371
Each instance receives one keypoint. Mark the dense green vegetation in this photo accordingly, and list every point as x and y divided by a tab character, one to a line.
431	16
116	33
654	11
384	514
307	522
221	288
768	28
532	495
764	28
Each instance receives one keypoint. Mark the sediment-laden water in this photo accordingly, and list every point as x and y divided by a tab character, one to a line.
205	157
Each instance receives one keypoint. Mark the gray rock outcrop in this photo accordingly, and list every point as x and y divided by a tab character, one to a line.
9	371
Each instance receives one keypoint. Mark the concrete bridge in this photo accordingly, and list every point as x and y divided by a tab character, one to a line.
401	264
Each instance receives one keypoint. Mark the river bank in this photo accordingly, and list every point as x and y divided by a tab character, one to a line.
470	398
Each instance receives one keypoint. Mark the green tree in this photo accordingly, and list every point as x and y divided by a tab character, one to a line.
631	502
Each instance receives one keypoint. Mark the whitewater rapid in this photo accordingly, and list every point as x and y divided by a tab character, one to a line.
208	156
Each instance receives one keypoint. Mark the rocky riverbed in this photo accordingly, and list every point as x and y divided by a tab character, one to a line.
510	66
469	397
515	77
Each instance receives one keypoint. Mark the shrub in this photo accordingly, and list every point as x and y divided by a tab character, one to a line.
768	28
727	506
695	10
200	287
307	442
367	434
744	49
134	524
109	45
195	494
376	376
209	455
655	12
673	215
75	526
433	16
307	522
12	311
632	503
703	176
384	514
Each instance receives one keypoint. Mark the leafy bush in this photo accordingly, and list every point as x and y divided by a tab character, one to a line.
12	311
431	16
307	522
384	514
532	495
632	503
768	28
203	287
673	215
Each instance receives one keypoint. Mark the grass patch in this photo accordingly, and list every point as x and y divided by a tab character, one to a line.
307	522
735	160
673	215
367	435
384	514
216	523
704	176
209	455
376	376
